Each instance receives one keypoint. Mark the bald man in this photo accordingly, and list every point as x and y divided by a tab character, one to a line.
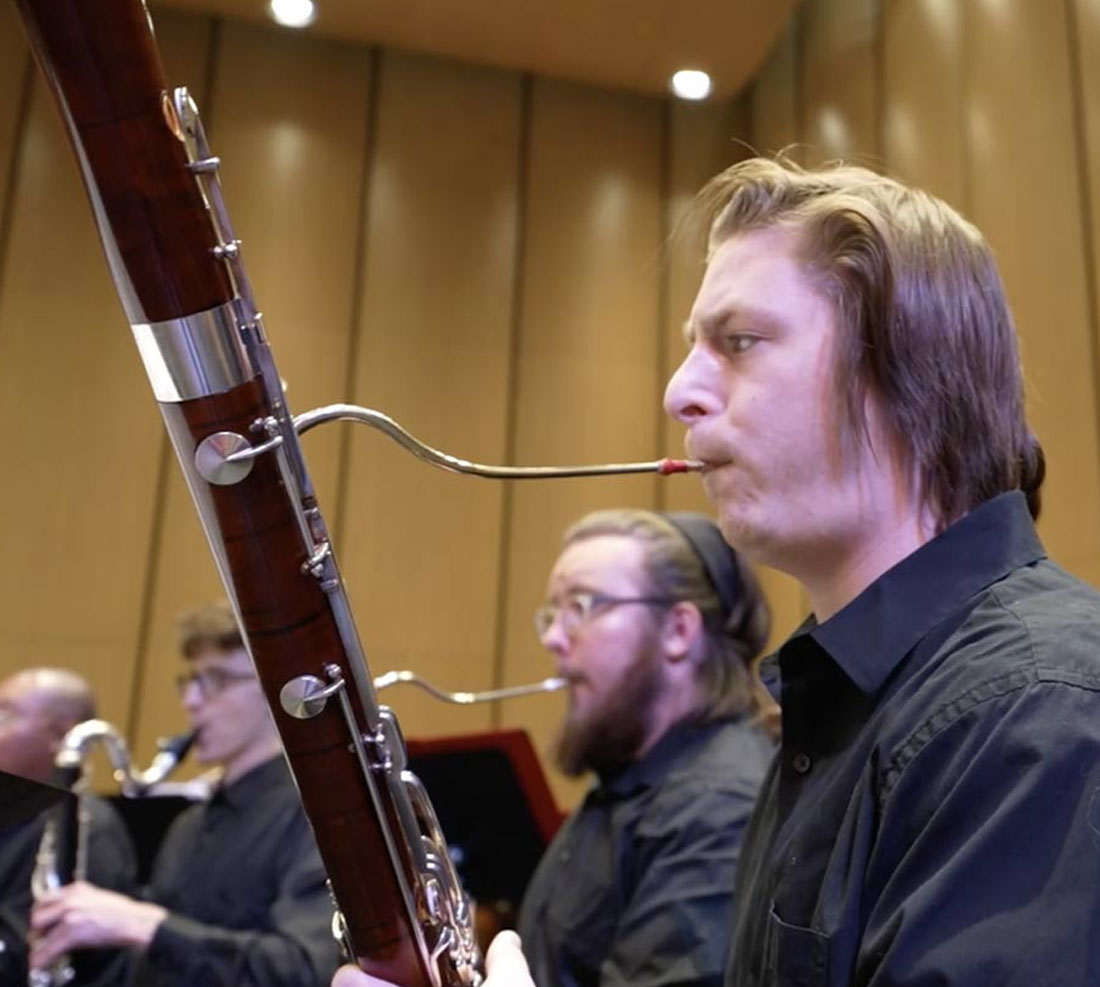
37	708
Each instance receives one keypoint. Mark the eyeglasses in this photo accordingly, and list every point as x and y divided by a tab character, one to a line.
579	608
211	682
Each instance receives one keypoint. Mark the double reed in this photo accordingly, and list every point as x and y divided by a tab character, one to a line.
152	181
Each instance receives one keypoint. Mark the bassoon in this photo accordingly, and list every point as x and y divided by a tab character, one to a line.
176	263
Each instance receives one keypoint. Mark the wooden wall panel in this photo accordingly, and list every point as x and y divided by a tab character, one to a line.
81	444
775	112
420	547
1085	42
1026	198
838	81
15	62
922	44
292	165
587	365
1085	39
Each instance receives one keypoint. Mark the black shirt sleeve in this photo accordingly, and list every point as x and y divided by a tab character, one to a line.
246	893
674	928
986	870
295	947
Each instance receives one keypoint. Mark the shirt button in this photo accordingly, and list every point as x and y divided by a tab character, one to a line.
801	763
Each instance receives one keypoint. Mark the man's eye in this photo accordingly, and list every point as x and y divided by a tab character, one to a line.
738	342
577	605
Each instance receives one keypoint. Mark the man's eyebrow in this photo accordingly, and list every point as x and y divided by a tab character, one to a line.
721	318
219	667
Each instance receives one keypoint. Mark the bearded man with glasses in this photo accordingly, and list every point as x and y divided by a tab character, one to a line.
238	894
657	625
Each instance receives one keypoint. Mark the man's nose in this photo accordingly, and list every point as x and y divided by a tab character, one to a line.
191	696
554	639
691	393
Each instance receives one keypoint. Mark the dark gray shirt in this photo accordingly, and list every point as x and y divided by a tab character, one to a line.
245	887
933	816
636	887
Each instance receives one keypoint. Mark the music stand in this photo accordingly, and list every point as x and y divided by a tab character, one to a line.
495	809
21	799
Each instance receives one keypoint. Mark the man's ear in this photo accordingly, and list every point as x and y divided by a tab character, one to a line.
681	628
55	733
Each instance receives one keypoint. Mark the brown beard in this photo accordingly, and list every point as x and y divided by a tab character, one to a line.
609	735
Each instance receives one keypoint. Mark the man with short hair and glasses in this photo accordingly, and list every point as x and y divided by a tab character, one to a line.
657	626
238	894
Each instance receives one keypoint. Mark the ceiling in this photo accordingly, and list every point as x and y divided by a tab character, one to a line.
623	44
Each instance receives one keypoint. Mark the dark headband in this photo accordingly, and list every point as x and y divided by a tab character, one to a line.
719	560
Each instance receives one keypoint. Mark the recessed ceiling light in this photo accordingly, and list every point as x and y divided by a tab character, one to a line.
691	84
292	13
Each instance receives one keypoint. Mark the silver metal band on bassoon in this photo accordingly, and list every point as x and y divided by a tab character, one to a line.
196	356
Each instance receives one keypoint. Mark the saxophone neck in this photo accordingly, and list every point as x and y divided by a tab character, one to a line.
80	740
172	751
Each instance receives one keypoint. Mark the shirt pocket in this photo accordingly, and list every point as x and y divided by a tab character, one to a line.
796	956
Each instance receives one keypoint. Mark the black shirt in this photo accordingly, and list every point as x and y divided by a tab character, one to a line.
245	888
110	864
934	814
637	886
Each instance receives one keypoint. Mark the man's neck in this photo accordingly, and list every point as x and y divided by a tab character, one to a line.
675	706
244	762
846	574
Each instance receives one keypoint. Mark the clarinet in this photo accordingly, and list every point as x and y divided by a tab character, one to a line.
175	262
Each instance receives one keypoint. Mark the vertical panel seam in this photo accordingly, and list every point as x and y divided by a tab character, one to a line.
142	639
798	57
358	292
878	72
963	103
663	291
507	499
748	116
1084	192
210	79
19	136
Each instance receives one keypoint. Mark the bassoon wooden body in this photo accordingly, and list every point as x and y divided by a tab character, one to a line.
175	261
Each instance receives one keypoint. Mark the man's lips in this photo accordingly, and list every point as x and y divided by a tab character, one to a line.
575	684
712	463
711	459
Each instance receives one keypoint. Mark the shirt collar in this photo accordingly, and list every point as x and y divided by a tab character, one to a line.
658	760
250	785
869	637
